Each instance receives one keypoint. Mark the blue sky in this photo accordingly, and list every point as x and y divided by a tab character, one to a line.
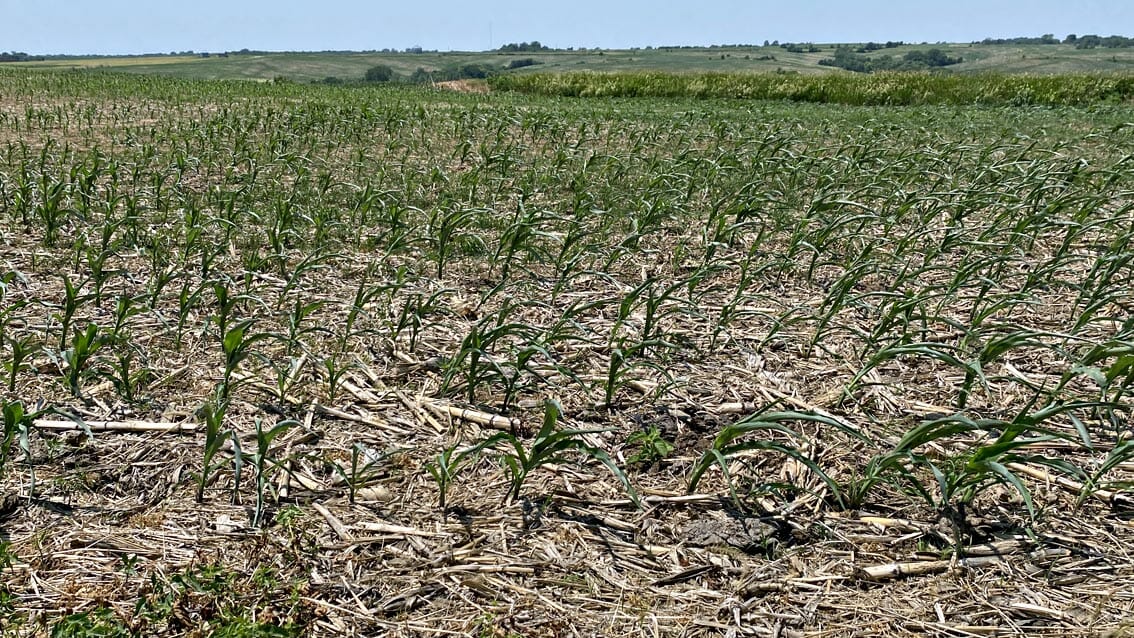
131	26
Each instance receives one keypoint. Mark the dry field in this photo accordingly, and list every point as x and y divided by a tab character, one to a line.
299	360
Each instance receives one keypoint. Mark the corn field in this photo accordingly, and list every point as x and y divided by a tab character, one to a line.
886	88
306	360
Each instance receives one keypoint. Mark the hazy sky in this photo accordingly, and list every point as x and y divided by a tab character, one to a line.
131	26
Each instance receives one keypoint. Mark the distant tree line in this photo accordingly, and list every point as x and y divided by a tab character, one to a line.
1079	41
1095	41
523	47
17	56
1047	38
874	46
799	47
847	58
454	72
383	73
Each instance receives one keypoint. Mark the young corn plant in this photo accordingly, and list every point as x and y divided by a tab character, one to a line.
957	479
769	432
936	351
444	229
52	210
18	426
478	363
213	413
627	357
287	373
124	374
318	260
237	345
364	295
296	330
73	300
523	234
363	468
125	308
334	370
84	346
1111	366
448	462
265	463
1122	453
412	315
551	445
10	307
20	350
15	421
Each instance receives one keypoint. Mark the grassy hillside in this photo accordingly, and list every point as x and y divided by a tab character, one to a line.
1034	59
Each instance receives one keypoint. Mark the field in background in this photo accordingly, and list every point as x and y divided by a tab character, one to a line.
1008	59
294	359
884	88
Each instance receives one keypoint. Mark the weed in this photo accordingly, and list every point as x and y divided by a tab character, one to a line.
652	448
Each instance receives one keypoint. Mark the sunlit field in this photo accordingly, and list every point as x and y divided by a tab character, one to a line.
285	359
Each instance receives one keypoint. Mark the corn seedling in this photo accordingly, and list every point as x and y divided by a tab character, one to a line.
551	445
444	467
264	463
237	347
959	478
84	345
73	300
363	468
21	349
296	331
1121	453
212	413
444	230
755	433
187	300
334	370
123	373
626	358
18	427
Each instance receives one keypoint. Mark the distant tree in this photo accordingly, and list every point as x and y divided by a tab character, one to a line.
523	47
931	58
1047	38
804	47
473	72
523	62
846	58
379	73
19	56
